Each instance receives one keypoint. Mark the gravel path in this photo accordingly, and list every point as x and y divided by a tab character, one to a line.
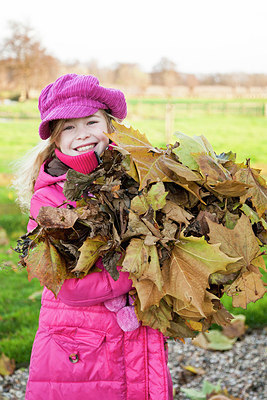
242	370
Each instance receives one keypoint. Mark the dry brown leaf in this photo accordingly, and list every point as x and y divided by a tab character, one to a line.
169	230
170	166
176	213
56	218
187	272
248	287
210	169
231	188
47	265
7	366
147	291
90	252
189	311
238	242
155	198
144	155
194	370
222	317
143	262
236	328
157	317
258	190
135	227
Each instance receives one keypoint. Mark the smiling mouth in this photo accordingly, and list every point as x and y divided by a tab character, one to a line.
86	147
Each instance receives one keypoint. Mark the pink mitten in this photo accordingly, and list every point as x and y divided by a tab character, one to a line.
127	319
116	304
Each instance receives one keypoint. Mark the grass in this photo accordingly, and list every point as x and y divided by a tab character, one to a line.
19	110
17	137
18	313
243	134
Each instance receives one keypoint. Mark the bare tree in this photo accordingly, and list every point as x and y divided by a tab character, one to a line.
126	73
27	62
165	74
192	82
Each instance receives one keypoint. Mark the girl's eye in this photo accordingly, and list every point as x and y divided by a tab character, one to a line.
91	122
68	127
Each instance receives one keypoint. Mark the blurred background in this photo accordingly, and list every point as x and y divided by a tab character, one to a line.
195	67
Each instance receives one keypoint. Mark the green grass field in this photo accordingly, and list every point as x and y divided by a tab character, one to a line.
243	134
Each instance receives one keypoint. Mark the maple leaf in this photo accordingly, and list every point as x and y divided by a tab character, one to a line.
229	218
187	273
257	191
142	261
135	227
157	317
153	164
176	213
128	164
222	278
248	287
191	312
180	170
145	156
128	138
89	254
222	317
196	326
148	293
46	264
75	184
189	145
253	216
169	231
180	329
7	366
110	261
61	218
224	158
155	197
210	169
241	241
181	175
230	188
213	340
236	328
238	242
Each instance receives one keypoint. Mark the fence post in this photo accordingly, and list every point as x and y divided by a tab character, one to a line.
169	119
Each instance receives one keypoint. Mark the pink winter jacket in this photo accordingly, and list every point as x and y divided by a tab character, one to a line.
79	351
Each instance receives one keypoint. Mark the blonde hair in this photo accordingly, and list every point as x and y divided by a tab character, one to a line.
28	167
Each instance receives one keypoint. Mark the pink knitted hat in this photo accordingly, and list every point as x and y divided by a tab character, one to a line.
77	96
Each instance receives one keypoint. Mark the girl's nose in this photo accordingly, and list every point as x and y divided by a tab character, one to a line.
82	133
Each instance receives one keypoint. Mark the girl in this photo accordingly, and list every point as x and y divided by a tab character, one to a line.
83	348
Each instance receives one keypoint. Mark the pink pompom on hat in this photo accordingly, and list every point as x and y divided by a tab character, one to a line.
77	96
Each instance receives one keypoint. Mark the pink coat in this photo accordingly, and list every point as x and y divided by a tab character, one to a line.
79	351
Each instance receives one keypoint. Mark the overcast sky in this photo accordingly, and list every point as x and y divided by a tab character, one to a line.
200	36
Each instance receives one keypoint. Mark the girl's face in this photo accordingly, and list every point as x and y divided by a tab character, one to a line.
81	135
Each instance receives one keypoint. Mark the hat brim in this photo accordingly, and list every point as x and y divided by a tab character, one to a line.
73	111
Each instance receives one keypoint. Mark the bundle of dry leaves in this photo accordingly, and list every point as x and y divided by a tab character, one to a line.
187	224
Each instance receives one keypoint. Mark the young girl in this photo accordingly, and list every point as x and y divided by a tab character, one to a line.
85	348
